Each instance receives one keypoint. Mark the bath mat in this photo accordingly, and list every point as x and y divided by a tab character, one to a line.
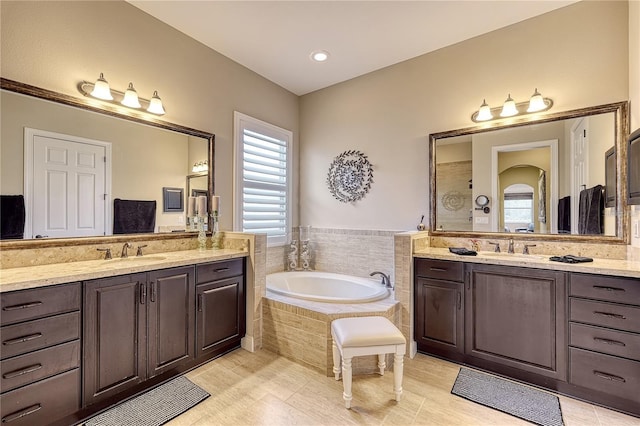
521	401
155	407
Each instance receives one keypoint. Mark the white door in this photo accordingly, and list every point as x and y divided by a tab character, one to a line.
580	149
65	185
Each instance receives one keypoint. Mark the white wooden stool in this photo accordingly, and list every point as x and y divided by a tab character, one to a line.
366	336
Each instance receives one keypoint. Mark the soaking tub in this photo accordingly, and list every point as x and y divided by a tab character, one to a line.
326	287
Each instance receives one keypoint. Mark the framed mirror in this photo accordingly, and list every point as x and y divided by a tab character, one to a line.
556	177
142	154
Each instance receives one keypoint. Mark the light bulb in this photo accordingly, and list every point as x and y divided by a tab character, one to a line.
101	89
509	108
536	103
131	98
155	104
484	113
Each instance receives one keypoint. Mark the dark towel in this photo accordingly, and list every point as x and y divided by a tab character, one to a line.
133	216
591	210
12	217
570	258
564	215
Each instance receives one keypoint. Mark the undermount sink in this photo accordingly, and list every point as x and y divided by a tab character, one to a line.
140	259
514	256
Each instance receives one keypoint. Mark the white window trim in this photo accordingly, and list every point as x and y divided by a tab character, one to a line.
242	121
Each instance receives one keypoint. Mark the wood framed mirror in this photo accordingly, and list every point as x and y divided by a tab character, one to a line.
147	153
470	162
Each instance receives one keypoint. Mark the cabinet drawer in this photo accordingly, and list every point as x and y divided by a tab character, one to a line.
440	269
601	287
39	302
43	402
25	369
605	373
621	317
218	270
37	334
605	340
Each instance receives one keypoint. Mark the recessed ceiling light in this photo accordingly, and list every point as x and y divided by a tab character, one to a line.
319	55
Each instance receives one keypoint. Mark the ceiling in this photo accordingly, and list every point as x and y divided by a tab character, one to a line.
275	38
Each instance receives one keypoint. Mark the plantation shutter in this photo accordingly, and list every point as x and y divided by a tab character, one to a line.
264	185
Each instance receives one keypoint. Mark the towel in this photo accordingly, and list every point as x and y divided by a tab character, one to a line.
133	216
12	217
590	210
564	215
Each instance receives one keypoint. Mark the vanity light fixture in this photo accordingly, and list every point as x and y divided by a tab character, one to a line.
200	167
510	108
101	90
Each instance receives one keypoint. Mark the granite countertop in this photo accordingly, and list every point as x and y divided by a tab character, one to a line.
59	273
621	268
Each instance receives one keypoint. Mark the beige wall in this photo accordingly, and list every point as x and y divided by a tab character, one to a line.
55	45
577	55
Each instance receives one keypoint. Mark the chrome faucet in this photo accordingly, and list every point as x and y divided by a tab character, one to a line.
525	250
497	249
510	249
124	253
386	281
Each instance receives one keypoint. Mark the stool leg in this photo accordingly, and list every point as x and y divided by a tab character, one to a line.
336	360
398	368
346	381
382	363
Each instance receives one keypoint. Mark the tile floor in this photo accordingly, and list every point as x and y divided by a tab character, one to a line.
263	388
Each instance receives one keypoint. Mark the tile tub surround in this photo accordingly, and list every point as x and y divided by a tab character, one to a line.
300	330
356	252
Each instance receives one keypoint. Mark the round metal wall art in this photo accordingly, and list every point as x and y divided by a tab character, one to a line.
350	176
452	201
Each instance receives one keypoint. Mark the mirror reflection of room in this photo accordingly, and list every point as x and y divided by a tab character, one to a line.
546	178
139	161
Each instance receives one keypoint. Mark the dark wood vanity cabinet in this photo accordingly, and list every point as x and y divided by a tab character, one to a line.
571	332
136	327
220	306
516	317
439	301
604	329
40	336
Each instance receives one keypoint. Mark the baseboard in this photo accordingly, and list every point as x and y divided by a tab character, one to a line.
248	343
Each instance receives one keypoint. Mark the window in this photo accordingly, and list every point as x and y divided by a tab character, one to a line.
262	184
518	208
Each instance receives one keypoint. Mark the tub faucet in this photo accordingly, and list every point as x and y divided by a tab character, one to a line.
386	281
124	253
510	249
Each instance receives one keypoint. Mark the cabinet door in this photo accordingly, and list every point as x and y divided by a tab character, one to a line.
171	304
113	336
220	316
516	317
439	315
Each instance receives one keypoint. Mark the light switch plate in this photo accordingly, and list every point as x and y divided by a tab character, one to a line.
484	220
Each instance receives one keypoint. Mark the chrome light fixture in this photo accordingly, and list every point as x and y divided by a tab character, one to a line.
510	108
129	98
